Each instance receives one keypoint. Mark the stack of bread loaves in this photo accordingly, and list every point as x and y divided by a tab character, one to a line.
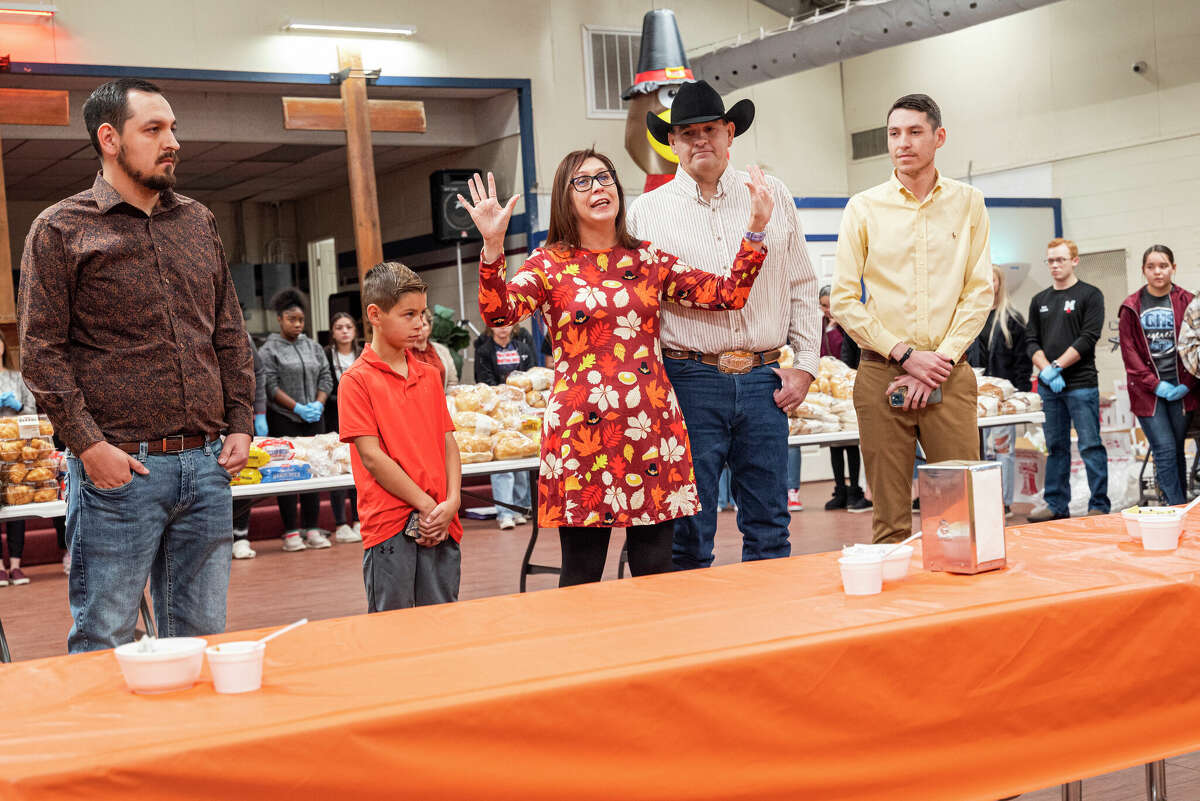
501	422
28	464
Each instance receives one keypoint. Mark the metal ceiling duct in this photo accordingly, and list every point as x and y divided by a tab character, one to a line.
855	28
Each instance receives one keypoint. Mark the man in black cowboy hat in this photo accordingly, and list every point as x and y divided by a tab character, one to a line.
724	365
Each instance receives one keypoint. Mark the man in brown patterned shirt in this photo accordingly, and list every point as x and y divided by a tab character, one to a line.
133	343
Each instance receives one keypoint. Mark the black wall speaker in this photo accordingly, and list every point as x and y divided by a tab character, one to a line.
451	222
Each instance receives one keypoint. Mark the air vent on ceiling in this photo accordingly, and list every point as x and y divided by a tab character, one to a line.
865	144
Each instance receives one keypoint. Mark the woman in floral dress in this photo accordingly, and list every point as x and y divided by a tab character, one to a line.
615	448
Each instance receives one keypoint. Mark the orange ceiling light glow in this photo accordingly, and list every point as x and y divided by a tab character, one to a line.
26	10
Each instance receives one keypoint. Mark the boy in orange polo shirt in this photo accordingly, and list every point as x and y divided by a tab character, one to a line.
406	467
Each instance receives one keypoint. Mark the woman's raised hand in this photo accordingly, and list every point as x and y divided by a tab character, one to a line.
488	215
762	202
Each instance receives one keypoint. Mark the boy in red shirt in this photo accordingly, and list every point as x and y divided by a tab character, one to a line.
406	467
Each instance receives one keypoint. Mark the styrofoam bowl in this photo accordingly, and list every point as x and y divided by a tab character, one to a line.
236	666
174	664
1132	523
861	576
895	567
1160	532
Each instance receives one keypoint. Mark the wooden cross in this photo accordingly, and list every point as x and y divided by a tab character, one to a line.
21	107
358	117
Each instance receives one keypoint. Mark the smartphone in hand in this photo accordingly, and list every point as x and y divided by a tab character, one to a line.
896	398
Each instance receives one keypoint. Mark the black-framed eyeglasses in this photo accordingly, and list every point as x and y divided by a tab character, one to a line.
583	183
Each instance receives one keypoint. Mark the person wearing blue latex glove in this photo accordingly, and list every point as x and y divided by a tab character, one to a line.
1164	390
260	425
298	382
1065	322
1051	376
1159	348
9	401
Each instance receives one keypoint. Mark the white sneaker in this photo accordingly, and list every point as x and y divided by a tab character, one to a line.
313	538
794	502
292	541
346	534
67	563
242	549
358	529
521	520
507	523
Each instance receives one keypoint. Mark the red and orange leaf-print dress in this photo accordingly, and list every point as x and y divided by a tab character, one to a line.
615	448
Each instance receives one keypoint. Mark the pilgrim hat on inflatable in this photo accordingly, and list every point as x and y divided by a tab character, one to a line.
699	102
662	60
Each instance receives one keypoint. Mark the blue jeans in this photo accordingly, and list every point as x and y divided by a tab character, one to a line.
173	527
511	488
733	419
1081	407
1166	430
724	493
999	445
794	467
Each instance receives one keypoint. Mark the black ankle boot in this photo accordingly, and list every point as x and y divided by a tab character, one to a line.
838	501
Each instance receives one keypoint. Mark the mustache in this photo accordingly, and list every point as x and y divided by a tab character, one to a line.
172	158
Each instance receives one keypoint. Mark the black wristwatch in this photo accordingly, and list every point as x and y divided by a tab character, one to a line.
904	358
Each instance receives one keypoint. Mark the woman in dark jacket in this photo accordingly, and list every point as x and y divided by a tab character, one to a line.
1160	389
341	352
1000	351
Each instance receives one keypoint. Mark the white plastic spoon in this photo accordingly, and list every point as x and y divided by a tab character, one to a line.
891	551
284	630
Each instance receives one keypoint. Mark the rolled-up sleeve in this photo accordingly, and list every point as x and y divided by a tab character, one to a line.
43	329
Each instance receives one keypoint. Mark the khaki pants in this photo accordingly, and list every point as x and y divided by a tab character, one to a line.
888	439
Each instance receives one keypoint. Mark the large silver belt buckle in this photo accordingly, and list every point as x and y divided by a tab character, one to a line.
737	362
166	443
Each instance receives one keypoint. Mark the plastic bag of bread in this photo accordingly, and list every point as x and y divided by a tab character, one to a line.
531	426
473	448
508	392
25	426
1000	388
18	494
519	378
509	413
258	457
513	445
535	399
475	423
987	406
786	357
841	386
45	491
540	377
1032	400
477	398
277	449
247	475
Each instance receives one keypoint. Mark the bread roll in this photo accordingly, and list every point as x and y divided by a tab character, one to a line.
11	451
519	379
473	448
38	474
508	392
535	399
45	427
541	378
18	494
475	423
513	445
45	495
478	398
9	428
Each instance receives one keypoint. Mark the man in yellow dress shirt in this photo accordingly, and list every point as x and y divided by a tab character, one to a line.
918	244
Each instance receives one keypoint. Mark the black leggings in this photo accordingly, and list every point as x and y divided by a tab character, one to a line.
839	469
16	538
584	551
337	499
310	502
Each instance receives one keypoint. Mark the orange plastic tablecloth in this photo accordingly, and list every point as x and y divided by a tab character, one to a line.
753	681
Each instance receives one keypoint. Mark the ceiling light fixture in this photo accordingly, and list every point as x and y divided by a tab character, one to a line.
395	30
27	10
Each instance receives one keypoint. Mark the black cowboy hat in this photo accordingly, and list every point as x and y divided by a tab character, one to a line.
699	102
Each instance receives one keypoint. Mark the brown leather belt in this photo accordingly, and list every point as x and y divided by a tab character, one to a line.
175	444
737	362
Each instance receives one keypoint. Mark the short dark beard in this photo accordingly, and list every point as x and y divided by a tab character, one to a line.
156	183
